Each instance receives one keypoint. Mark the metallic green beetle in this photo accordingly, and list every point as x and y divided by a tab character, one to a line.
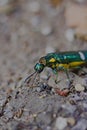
61	61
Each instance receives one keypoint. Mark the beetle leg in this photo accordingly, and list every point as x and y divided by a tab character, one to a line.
65	70
56	73
67	74
56	80
80	68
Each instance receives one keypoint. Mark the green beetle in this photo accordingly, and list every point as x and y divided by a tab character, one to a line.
63	61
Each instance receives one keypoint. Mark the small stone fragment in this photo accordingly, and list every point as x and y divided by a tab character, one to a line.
79	87
44	76
9	91
71	121
19	113
69	108
51	81
8	113
61	123
46	29
45	118
81	125
85	105
2	100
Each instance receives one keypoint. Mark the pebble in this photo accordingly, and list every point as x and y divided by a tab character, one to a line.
19	113
46	29
42	87
8	112
69	108
51	81
61	123
44	76
75	97
84	82
38	89
85	105
9	91
70	35
2	100
45	118
34	6
81	125
71	121
79	87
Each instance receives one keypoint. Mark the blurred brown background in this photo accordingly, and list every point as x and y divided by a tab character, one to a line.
30	29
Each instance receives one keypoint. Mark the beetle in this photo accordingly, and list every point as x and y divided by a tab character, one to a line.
61	61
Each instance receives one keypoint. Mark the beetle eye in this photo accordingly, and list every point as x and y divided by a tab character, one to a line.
42	60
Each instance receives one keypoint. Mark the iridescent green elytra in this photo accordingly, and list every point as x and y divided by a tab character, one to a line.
62	61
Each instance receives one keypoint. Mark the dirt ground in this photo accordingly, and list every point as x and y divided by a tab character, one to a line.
26	34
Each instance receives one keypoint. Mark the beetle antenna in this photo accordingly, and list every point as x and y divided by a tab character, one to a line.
34	78
27	79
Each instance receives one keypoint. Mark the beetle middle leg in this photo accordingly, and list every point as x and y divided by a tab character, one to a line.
56	80
68	77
